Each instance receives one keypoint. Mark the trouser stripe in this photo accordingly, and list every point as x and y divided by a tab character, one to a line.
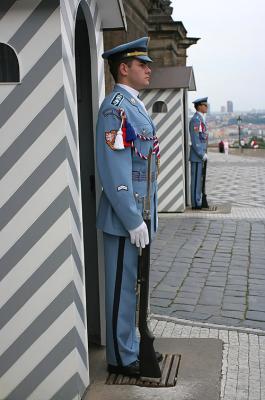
195	184
117	295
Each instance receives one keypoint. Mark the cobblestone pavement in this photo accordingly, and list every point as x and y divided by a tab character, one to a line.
239	180
243	368
211	267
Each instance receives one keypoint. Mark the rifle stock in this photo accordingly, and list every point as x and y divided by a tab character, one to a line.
149	367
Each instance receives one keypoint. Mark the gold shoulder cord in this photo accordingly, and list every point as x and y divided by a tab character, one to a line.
136	54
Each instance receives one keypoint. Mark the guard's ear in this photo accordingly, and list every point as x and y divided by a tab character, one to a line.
123	69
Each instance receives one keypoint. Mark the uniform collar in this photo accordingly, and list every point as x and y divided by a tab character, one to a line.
131	98
202	115
129	89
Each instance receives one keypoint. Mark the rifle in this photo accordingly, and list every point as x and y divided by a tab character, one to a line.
204	195
149	367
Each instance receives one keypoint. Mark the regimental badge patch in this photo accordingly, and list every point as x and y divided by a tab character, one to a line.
117	99
110	138
122	187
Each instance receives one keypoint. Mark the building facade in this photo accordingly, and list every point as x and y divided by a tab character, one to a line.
229	106
168	38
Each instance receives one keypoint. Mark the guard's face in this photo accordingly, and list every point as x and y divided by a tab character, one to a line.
138	74
203	107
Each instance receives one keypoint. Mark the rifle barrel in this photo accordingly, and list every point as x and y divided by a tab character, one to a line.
149	367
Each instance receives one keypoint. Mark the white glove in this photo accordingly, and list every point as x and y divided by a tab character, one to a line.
139	236
205	157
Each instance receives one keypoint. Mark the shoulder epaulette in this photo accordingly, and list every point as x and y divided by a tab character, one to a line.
117	99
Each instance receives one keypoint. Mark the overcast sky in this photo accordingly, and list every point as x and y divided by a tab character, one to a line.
229	59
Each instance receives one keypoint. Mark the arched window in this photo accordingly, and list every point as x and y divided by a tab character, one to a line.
9	66
159	107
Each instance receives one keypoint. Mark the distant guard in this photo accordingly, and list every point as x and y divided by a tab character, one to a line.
125	133
198	150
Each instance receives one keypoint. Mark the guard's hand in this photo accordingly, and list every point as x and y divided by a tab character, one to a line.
139	236
205	157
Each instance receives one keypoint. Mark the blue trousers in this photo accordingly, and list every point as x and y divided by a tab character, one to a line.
196	184
121	260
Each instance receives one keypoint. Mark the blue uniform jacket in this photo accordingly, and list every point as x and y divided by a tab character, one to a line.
123	173
199	138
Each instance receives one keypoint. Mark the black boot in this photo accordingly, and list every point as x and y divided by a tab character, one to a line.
132	369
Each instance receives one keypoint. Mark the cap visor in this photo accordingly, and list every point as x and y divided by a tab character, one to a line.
144	58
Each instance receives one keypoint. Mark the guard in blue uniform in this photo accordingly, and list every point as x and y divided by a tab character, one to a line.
125	133
198	150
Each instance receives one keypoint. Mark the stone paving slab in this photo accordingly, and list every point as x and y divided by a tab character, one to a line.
198	377
243	358
243	365
220	282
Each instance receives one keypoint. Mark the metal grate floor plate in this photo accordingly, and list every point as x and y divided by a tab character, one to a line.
169	369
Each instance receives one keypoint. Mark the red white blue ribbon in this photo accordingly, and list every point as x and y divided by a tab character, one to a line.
156	150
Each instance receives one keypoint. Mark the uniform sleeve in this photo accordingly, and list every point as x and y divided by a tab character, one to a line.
195	139
115	170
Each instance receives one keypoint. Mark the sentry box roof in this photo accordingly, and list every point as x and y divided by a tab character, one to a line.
172	78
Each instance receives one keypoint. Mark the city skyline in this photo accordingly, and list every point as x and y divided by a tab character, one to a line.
228	60
223	109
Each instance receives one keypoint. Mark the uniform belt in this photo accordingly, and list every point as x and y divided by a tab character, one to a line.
142	176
